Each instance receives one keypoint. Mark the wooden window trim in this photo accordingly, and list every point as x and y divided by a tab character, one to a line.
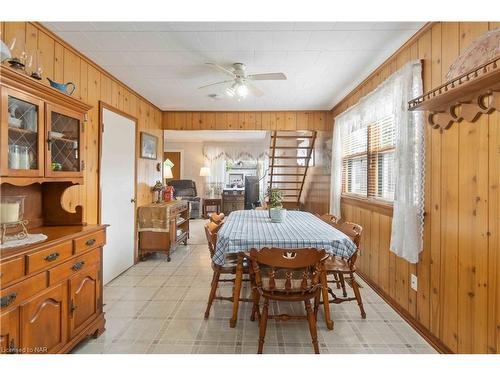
376	205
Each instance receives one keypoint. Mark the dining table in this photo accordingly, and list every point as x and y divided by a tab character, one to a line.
253	229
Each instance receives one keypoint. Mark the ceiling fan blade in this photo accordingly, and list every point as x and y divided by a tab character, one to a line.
222	69
213	84
254	90
267	76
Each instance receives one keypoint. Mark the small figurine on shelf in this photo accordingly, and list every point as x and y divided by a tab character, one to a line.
158	188
33	67
168	194
18	56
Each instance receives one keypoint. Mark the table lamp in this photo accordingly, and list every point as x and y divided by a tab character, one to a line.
205	172
167	173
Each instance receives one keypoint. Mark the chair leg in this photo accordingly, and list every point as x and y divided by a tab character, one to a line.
263	325
342	283
336	280
255	307
355	288
213	290
312	326
316	304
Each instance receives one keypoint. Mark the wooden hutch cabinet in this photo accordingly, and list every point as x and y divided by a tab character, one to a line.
50	291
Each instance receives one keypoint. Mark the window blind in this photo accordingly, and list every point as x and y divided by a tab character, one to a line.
368	160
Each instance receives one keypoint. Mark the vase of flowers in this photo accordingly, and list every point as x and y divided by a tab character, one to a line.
276	211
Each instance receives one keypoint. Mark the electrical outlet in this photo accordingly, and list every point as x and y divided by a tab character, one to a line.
413	282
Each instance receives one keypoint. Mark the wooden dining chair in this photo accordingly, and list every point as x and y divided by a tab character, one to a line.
291	275
229	268
342	269
328	218
217	218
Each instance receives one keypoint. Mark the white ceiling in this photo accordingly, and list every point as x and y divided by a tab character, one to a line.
164	61
214	136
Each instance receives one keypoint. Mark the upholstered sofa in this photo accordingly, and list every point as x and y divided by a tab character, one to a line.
186	189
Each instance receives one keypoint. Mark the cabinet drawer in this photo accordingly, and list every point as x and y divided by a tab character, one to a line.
11	270
19	292
48	257
89	241
73	266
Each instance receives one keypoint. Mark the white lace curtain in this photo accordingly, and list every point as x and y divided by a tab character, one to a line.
392	97
217	154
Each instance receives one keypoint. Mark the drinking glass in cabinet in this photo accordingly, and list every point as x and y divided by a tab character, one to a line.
64	141
23	134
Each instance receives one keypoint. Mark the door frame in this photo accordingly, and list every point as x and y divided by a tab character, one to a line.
182	158
102	107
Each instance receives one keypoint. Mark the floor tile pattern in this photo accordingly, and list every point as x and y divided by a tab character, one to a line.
158	306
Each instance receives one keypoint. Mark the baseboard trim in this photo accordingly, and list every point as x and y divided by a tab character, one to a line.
417	326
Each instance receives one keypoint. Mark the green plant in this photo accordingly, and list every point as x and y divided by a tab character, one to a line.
275	198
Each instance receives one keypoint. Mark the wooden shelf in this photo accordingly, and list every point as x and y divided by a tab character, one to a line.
181	237
62	139
464	97
17	80
22	131
24	181
180	222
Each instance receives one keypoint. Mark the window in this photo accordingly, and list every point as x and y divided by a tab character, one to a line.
368	160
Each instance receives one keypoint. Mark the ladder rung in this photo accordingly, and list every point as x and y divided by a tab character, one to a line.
287	166
293	136
288	174
290	147
291	157
286	182
289	189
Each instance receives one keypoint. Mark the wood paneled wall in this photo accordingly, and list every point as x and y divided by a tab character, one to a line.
458	297
256	120
63	63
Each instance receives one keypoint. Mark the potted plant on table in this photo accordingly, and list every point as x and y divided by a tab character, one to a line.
276	211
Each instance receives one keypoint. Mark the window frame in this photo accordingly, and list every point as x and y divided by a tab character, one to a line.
371	176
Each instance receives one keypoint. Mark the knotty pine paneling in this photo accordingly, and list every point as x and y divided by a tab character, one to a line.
63	63
254	120
458	297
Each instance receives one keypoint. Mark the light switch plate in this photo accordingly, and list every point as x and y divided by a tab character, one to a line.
413	282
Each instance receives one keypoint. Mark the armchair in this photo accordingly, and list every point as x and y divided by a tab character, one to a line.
186	189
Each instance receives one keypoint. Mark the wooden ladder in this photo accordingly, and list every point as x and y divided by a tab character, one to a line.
284	162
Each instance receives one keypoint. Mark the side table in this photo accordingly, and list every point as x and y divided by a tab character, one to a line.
211	202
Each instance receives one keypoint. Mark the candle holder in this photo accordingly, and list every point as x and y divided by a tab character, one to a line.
17	229
12	225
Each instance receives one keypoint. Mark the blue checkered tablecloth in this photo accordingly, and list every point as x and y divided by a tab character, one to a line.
244	230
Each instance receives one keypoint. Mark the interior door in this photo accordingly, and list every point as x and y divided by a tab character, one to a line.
117	192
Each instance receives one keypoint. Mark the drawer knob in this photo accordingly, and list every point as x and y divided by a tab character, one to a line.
51	257
78	266
90	242
8	299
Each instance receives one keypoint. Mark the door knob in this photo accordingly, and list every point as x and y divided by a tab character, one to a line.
132	200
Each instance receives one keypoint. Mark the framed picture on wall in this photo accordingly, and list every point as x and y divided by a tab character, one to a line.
149	146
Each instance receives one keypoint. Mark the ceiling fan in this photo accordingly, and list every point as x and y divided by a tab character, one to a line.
241	82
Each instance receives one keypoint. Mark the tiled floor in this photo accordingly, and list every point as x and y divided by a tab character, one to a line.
158	307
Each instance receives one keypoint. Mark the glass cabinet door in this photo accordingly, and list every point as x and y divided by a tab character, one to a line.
64	142
22	135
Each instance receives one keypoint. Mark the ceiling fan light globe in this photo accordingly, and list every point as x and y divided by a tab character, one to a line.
242	91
